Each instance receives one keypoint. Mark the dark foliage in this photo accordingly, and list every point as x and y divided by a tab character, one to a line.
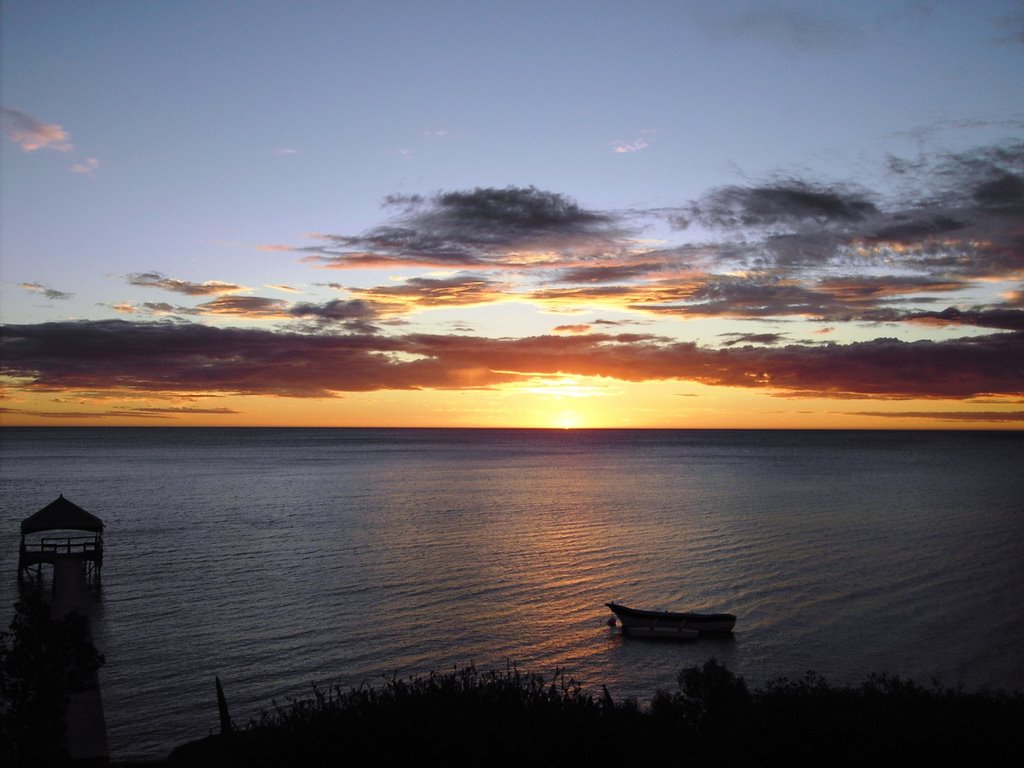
42	661
469	718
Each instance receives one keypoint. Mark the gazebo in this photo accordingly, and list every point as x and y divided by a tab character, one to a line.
63	517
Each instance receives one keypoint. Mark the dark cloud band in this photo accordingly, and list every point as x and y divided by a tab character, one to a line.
184	357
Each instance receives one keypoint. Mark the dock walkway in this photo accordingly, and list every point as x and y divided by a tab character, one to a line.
87	727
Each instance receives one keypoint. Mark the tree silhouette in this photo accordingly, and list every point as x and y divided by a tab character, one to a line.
42	661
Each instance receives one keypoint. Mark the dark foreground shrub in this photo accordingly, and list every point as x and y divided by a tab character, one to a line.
463	716
469	718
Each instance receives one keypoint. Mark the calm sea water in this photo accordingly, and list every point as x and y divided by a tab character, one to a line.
279	559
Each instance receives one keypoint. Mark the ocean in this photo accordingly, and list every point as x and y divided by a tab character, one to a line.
282	559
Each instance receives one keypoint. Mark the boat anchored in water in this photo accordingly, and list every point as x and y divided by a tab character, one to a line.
671	624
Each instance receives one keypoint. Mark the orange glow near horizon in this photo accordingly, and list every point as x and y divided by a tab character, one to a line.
555	402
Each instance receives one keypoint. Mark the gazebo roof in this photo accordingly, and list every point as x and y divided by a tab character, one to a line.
61	515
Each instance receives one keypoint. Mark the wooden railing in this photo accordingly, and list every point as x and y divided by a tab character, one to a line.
49	549
66	544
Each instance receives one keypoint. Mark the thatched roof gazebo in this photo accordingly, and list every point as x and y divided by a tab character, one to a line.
63	516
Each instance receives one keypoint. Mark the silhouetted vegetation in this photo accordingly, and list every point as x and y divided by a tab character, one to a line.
467	717
42	661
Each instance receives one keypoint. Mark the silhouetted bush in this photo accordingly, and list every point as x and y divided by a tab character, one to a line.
42	661
466	717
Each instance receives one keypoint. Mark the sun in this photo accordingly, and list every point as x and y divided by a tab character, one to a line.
558	401
567	420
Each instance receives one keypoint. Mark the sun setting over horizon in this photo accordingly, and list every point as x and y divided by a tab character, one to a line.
810	234
659	344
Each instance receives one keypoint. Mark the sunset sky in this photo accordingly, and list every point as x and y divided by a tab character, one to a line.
535	214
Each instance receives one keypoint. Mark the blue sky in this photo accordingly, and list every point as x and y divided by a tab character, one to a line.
161	156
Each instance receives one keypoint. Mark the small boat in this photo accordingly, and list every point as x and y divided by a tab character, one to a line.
666	623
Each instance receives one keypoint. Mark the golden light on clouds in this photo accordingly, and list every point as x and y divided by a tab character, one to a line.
475	340
565	387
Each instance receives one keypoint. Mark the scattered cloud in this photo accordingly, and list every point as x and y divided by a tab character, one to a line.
641	141
1005	319
354	315
785	247
429	292
132	413
957	217
152	308
257	307
511	227
31	134
616	322
574	329
48	414
861	288
993	416
627	147
87	166
158	280
171	411
286	152
43	290
607	273
768	339
788	202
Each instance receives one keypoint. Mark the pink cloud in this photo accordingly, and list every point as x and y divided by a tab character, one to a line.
30	134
